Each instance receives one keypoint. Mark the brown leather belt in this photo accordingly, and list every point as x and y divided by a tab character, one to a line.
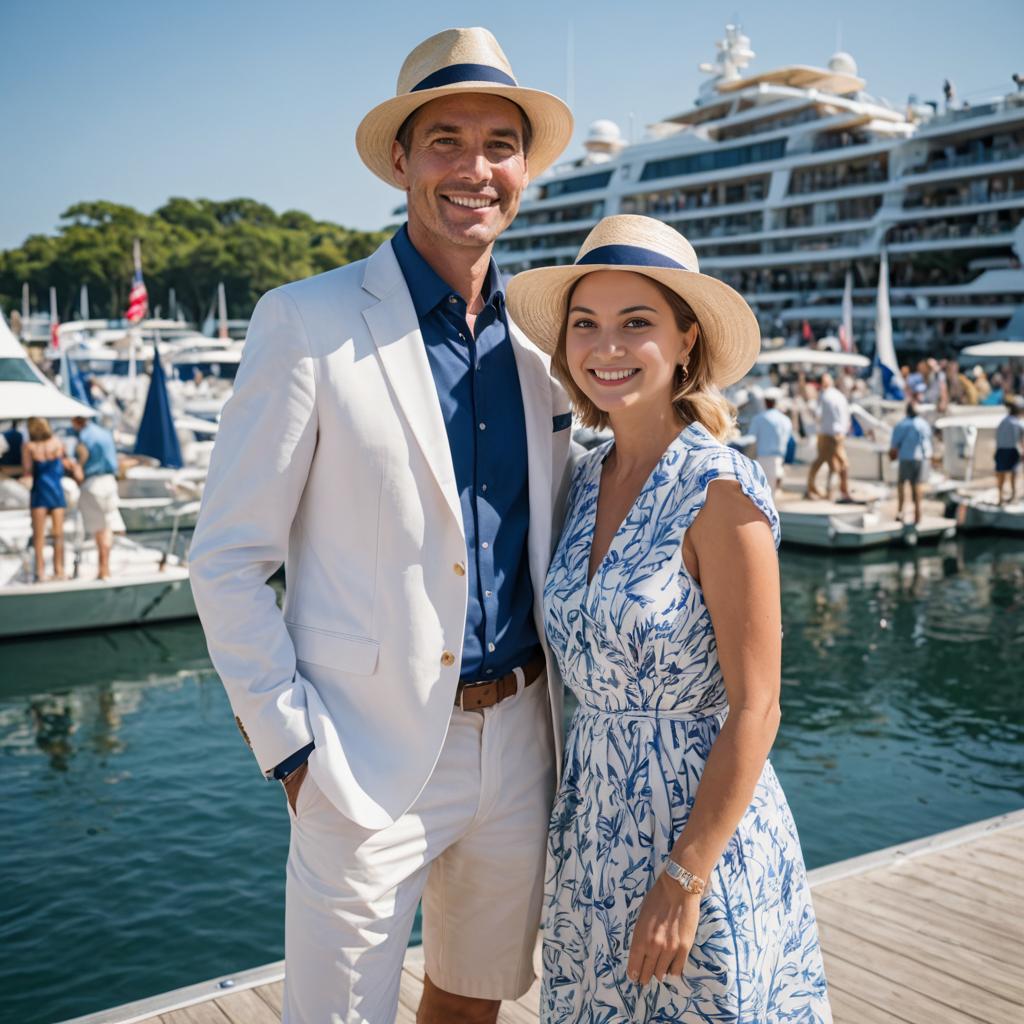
477	696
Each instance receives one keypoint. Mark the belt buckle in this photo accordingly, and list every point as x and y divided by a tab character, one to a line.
461	702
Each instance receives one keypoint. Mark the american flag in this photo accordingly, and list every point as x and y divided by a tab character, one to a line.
138	297
54	321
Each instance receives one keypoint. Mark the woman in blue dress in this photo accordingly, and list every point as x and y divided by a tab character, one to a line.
44	461
675	888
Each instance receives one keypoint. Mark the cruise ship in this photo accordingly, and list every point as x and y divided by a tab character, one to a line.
790	184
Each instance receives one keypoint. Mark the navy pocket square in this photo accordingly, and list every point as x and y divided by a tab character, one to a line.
562	422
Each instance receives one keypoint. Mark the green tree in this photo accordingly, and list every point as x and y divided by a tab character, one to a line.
190	245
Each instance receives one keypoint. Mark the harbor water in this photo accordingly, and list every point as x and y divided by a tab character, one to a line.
142	851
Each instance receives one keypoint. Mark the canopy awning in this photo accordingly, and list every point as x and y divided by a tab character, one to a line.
995	350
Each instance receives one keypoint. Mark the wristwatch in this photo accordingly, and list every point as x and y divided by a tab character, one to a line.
686	879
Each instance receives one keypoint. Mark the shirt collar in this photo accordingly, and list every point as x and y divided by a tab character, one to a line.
427	289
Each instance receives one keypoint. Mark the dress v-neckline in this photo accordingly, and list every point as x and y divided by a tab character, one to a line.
599	568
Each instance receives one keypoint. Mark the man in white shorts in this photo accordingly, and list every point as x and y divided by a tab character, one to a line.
98	501
400	446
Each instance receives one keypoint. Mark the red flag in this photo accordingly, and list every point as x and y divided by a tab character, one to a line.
807	332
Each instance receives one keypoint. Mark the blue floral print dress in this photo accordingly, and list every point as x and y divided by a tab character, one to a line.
637	649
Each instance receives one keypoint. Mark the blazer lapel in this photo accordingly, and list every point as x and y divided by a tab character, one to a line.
394	327
536	388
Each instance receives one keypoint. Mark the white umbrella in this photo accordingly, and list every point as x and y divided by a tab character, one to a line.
813	357
24	391
995	350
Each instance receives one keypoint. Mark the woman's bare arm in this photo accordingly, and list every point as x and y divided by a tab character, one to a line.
733	553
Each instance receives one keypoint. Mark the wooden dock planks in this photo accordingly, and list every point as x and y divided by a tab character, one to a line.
931	932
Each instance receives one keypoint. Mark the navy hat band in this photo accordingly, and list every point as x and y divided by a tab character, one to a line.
464	73
629	256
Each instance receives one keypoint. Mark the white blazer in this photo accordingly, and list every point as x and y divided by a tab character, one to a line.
332	458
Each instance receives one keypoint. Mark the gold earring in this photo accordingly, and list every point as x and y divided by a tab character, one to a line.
684	373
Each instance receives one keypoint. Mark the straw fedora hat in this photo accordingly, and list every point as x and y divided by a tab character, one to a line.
461	60
537	298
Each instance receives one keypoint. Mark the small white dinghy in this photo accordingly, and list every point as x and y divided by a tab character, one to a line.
834	527
980	510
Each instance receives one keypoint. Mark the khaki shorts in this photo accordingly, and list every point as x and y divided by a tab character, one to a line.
98	504
832	449
472	846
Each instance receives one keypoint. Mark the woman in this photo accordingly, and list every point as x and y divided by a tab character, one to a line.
676	889
44	460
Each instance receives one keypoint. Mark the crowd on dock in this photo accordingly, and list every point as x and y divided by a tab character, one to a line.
824	406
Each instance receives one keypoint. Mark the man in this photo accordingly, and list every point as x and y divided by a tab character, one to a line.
401	446
772	433
911	443
98	502
11	441
1009	446
833	426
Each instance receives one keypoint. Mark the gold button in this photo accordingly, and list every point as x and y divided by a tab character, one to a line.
459	568
447	659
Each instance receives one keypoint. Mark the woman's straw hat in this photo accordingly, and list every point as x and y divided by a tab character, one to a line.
728	327
461	60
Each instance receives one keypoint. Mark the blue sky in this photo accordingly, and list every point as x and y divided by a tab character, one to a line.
135	102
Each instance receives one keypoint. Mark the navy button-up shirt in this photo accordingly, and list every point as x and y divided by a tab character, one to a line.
478	387
482	405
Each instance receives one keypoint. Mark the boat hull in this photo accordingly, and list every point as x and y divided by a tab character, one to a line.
73	605
142	515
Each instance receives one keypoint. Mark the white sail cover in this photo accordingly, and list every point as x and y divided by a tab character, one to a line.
887	370
24	391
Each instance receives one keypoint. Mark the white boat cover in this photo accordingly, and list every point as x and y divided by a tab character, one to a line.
24	391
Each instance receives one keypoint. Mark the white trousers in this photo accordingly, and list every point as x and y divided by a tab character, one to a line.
472	846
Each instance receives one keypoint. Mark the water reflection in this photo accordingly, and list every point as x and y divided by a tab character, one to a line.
157	852
902	694
81	688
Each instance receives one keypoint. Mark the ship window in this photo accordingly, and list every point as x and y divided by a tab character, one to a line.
714	160
17	369
580	184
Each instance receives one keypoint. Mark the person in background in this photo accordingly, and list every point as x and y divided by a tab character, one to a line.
912	444
1009	445
772	431
981	384
996	395
43	461
833	426
961	387
98	502
935	391
918	377
11	442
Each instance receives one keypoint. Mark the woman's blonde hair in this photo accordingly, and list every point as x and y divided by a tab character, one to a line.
39	429
695	397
